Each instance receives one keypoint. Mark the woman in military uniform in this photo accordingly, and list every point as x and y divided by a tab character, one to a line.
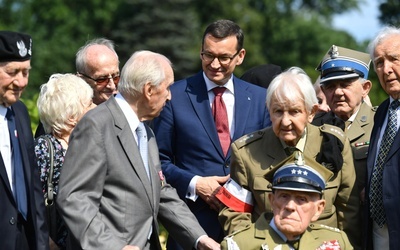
296	200
292	103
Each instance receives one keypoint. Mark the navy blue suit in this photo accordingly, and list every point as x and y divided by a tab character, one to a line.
189	143
10	222
391	180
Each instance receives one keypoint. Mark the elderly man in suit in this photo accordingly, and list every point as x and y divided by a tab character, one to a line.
194	140
112	189
383	186
297	184
344	81
22	224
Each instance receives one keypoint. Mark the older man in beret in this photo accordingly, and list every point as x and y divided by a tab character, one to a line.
296	200
22	224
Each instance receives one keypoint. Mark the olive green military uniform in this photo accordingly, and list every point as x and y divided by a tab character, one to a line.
261	236
253	155
359	135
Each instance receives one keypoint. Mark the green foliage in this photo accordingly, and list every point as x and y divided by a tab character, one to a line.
390	12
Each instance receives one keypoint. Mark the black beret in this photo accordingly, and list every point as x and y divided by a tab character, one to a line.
262	75
15	46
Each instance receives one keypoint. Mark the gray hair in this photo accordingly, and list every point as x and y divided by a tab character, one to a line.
81	60
62	98
292	84
382	35
142	67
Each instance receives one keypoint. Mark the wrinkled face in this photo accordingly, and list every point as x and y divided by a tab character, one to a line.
322	104
158	96
13	80
345	96
289	119
293	211
226	50
102	64
387	65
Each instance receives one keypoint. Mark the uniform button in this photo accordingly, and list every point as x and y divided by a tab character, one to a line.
12	221
227	165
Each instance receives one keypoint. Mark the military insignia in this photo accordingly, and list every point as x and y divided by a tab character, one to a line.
334	52
232	245
22	48
330	245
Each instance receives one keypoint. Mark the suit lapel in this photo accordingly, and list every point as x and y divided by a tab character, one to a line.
314	141
243	100
197	93
376	131
128	143
362	119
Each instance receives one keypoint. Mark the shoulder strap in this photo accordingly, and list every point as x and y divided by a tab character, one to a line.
50	198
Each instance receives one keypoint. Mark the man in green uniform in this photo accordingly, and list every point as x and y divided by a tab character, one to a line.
297	183
344	74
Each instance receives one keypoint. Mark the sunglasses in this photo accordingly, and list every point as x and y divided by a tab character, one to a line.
103	80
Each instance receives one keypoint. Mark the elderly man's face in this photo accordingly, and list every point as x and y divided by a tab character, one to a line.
158	96
293	211
387	65
13	80
102	63
344	97
289	119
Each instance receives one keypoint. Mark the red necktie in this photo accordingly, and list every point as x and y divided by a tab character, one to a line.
221	119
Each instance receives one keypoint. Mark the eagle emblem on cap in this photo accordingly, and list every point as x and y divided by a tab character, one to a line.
334	51
22	48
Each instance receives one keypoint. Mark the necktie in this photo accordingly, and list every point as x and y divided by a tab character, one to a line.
376	208
18	170
221	119
294	243
290	150
143	148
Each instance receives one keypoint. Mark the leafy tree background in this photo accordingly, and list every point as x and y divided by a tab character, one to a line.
283	32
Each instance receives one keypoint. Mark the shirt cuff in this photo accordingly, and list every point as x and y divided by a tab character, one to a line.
191	191
198	240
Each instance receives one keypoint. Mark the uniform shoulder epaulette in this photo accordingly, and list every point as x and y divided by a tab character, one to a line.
336	131
247	227
321	226
249	138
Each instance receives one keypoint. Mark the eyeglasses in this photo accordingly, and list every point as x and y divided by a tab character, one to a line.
103	80
225	60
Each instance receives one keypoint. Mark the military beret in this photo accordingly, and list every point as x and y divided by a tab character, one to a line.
341	63
261	75
299	173
15	46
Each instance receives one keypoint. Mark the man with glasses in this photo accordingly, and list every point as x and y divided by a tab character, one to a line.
194	133
97	63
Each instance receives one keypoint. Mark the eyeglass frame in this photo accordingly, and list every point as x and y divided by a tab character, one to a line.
218	57
102	80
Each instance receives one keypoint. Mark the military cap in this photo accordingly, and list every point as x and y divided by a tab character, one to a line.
299	173
342	63
15	46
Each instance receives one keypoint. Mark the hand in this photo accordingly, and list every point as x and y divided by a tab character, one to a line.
206	242
207	187
130	248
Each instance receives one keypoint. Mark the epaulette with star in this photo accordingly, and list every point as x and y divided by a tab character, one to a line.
249	138
316	226
334	130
